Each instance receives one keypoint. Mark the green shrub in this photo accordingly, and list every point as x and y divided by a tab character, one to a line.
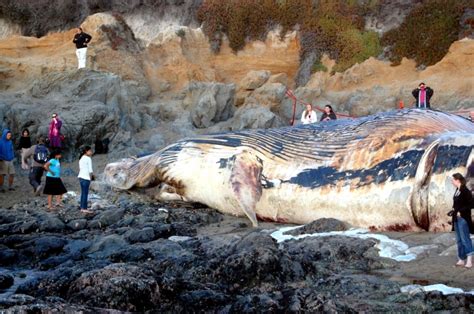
318	67
334	27
427	32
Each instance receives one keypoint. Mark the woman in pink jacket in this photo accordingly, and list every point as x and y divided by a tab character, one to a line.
55	132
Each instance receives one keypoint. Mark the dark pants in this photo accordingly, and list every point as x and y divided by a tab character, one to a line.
35	176
84	192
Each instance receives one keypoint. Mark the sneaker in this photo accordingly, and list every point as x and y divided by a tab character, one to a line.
11	188
38	190
2	189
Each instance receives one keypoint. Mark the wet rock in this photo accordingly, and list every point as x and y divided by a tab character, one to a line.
76	247
131	254
7	256
106	246
319	226
16	299
44	246
106	218
204	299
6	281
119	286
51	224
144	235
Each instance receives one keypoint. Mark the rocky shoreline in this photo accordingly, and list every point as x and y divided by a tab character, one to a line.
135	256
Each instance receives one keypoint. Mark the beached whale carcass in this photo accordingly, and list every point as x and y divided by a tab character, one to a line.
388	171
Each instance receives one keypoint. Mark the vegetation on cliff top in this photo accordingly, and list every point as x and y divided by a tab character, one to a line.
427	32
336	27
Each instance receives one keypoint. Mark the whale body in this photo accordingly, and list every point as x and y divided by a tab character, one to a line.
388	171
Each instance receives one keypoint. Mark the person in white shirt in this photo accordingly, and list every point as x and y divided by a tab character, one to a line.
309	115
85	176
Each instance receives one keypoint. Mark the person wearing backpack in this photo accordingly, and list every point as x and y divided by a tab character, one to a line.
39	154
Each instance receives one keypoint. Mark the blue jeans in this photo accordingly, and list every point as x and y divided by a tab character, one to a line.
84	192
463	238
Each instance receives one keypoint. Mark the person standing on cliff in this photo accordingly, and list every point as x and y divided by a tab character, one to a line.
54	134
81	40
423	95
7	154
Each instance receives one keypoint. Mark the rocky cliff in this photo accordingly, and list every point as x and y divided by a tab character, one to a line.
156	79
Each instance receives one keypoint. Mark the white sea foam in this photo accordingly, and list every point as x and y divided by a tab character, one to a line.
389	248
446	290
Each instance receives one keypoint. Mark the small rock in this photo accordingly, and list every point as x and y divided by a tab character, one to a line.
77	224
179	238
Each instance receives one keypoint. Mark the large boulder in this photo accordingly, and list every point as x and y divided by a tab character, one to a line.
269	95
254	79
209	102
253	117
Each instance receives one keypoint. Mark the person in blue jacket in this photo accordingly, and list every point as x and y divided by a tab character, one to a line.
7	155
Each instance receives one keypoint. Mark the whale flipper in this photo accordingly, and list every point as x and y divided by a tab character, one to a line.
245	181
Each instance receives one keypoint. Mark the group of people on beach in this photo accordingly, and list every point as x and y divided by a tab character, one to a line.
44	157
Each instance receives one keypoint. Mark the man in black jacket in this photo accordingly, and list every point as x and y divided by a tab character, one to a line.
422	95
81	40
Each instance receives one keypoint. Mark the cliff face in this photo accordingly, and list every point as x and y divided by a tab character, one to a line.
167	66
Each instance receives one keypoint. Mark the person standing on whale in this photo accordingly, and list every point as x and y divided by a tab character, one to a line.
81	40
423	95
